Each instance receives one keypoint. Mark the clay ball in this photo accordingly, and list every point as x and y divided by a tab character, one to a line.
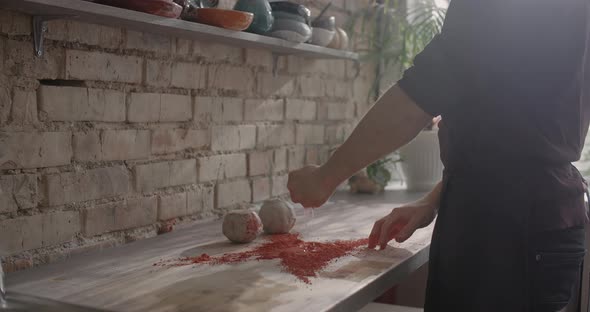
241	226
278	216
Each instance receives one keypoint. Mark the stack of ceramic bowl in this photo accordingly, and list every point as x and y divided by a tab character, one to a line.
291	21
323	30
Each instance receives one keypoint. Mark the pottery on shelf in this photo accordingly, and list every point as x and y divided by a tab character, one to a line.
335	43
344	42
340	40
321	37
293	8
262	11
287	15
189	6
228	19
290	30
327	22
164	8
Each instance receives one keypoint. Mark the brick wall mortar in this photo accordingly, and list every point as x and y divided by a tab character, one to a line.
111	124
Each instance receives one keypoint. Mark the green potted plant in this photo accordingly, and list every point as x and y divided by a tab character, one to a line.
374	178
390	33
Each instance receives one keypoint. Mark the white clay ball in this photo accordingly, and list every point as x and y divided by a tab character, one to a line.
278	216
241	226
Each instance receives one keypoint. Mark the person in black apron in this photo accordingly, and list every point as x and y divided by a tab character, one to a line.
511	80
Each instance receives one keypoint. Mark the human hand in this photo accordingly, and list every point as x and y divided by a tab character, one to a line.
309	187
401	223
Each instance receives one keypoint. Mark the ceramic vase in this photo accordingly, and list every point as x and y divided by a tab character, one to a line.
421	164
262	11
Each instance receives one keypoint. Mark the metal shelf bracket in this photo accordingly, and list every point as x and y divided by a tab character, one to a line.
40	28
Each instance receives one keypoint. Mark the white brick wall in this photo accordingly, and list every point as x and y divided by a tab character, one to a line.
341	110
264	110
279	185
232	193
74	31
82	104
260	189
218	109
233	138
35	149
172	206
280	157
179	74
269	85
14	24
231	78
37	231
275	135
19	61
217	52
301	110
72	187
150	177
296	157
201	200
256	57
111	145
309	134
221	167
312	87
154	107
259	163
126	214
337	133
148	42
18	192
165	141
24	108
103	66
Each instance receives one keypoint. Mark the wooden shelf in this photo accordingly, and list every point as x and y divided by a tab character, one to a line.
117	17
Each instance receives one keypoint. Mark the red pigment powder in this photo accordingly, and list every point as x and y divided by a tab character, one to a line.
300	258
254	225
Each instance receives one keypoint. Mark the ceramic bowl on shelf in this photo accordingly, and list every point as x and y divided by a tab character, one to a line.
263	18
327	22
164	8
188	4
290	30
287	15
322	37
292	8
228	19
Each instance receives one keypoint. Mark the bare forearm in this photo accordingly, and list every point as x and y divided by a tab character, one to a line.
434	195
392	122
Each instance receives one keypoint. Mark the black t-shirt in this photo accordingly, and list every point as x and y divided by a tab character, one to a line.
511	79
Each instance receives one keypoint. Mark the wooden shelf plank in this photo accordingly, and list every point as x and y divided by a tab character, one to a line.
117	17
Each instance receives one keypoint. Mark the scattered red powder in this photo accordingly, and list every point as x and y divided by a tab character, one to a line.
300	258
254	225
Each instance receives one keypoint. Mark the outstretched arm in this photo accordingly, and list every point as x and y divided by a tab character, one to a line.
393	121
403	221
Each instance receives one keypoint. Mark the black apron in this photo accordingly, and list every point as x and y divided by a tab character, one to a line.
498	243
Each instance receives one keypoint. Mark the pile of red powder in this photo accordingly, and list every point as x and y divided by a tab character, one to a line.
300	258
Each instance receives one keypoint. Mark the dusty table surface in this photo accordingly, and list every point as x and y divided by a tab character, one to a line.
125	279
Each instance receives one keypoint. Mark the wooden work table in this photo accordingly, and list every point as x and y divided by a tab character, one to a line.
124	278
